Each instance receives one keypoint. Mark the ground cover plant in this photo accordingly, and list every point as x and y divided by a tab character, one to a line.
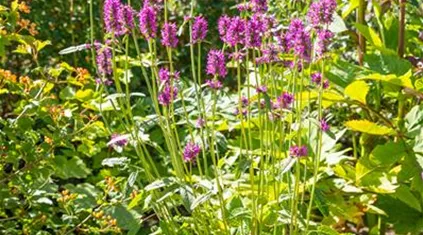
211	117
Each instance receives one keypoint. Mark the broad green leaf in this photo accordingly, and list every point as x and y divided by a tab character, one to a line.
404	80
357	91
404	194
84	95
369	127
373	171
369	34
73	168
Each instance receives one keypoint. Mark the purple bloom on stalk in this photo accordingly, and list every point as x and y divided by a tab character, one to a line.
316	78
321	12
104	61
118	140
191	151
200	123
236	31
298	151
261	89
128	17
324	126
113	17
148	22
326	84
259	5
106	82
223	27
165	75
214	84
199	29
255	28
284	101
216	64
244	101
298	39
167	95
169	38
270	54
323	39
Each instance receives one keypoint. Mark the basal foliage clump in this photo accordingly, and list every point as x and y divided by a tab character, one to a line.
275	117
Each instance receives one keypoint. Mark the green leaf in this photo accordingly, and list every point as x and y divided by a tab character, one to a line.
414	120
369	127
358	91
404	80
84	95
67	93
73	168
404	194
369	34
201	199
135	202
128	220
373	171
160	183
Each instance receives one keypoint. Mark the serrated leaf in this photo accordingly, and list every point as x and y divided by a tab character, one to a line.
369	127
357	91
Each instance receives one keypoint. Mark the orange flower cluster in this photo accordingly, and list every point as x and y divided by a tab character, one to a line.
6	74
24	8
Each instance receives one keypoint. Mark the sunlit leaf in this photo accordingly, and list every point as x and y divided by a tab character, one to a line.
357	91
369	127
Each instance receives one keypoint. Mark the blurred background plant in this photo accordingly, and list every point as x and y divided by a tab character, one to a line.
79	156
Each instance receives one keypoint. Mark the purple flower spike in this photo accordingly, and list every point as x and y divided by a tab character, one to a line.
199	29
169	38
316	78
298	151
200	123
284	101
216	64
113	17
148	22
254	31
223	27
261	89
259	5
236	31
214	84
128	17
118	140
298	39
167	95
191	151
326	84
165	75
324	126
323	39
321	12
104	61
244	101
